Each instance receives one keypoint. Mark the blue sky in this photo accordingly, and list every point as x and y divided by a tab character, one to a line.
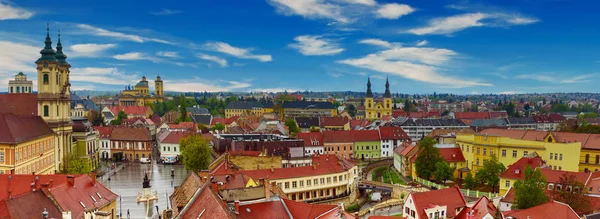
508	46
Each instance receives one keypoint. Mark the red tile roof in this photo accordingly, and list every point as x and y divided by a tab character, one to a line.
542	119
19	104
104	131
303	210
174	137
588	141
550	210
450	197
224	121
333	121
206	203
131	134
337	137
357	122
557	118
553	176
365	135
407	150
311	138
498	114
245	153
515	170
267	209
509	197
392	133
129	110
27	205
183	125
480	209
471	115
452	154
17	129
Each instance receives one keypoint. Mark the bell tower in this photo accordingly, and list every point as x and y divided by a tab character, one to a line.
54	96
158	85
387	99
369	104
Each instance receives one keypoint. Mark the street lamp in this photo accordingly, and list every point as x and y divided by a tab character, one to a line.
45	213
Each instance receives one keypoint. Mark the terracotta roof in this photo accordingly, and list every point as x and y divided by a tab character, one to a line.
452	154
408	149
398	150
206	202
183	193
19	104
450	197
309	211
509	197
104	131
588	141
553	176
70	197
323	164
515	170
337	137
550	210
224	121
311	138
27	205
356	122
480	209
174	137
542	119
17	129
333	121
131	134
498	114
236	180
471	115
129	110
557	118
392	133
267	209
365	135
183	125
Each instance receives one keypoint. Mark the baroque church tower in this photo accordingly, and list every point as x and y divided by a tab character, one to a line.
54	97
378	109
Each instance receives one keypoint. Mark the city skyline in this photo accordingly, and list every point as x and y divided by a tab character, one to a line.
463	47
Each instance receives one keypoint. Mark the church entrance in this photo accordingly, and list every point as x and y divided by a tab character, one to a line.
379	115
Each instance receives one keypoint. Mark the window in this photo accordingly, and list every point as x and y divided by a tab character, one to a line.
316	181
467	148
550	186
340	178
597	159
287	185
587	158
507	184
463	147
328	180
46	80
551	157
477	162
524	153
322	180
2	157
301	183
308	182
560	157
484	151
334	179
477	150
504	153
514	153
492	152
46	111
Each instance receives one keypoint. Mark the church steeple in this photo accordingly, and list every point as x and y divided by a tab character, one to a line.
60	56
369	92
48	54
387	94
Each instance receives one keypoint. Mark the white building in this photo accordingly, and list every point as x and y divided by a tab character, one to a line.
391	138
20	84
417	128
169	147
104	135
443	203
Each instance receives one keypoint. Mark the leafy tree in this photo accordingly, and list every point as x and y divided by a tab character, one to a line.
292	126
593	129
510	109
570	125
587	108
589	116
443	171
469	181
201	126
183	115
351	110
574	194
427	158
95	118
78	165
529	192
120	116
559	108
218	127
195	153
490	172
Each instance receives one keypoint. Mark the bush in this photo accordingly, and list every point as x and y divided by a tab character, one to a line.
396	179
353	208
386	176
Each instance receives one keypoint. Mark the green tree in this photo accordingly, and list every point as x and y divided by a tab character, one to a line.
590	129
292	126
443	172
574	194
183	115
510	109
78	165
559	108
490	172
218	127
351	110
588	116
469	181
529	192
195	153
95	118
427	158
119	120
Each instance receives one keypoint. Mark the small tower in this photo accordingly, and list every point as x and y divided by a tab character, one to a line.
20	84
369	104
387	98
158	85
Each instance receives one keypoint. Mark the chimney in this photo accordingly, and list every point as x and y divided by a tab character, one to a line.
71	180
215	187
93	177
267	186
237	207
272	170
356	216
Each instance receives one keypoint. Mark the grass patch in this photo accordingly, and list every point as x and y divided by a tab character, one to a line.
396	179
386	176
353	208
397	215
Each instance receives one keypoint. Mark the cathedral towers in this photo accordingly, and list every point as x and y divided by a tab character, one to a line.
378	109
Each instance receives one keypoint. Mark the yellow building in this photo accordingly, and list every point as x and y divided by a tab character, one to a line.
515	171
511	145
54	97
140	95
240	108
377	110
26	145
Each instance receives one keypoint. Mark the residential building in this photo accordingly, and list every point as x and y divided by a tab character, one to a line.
313	142
334	123
140	95
526	123
551	209
131	111
391	138
227	122
455	159
515	171
54	96
20	84
377	109
448	136
86	141
239	108
483	208
131	143
62	196
340	143
443	203
81	107
548	122
104	134
367	144
306	123
402	156
27	145
169	147
306	109
482	124
560	150
418	128
202	119
443	105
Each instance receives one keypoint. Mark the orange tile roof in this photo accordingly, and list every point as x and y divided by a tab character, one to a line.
550	210
450	197
333	121
480	209
207	203
174	137
183	125
511	133
224	121
267	209
452	154
509	197
131	134
392	133
471	115
515	170
337	137
311	138
553	176
104	131
129	110
304	210
21	104
408	149
365	135
17	129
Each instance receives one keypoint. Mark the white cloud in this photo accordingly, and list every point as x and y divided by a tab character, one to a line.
273	90
96	31
455	23
89	50
361	2
552	78
422	43
109	76
197	84
311	9
316	46
236	51
393	11
216	59
378	42
168	54
416	63
132	56
8	12
166	12
17	57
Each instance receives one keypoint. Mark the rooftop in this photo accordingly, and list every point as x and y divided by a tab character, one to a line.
17	129
450	197
550	210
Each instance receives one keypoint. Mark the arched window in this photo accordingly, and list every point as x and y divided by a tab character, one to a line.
46	109
46	80
587	158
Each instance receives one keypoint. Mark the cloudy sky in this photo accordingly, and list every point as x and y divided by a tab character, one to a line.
508	46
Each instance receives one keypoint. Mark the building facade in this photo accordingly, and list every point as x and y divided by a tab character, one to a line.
416	129
367	144
377	110
140	95
131	143
20	84
307	109
86	140
239	108
339	143
391	138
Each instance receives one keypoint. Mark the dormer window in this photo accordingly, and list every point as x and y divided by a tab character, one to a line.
517	171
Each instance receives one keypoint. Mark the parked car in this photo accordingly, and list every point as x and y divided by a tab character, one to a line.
144	160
